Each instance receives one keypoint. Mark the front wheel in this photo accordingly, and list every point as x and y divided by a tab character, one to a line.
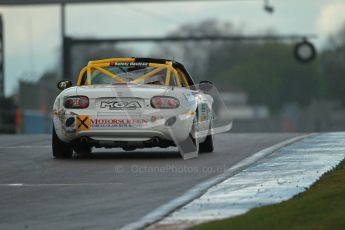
61	150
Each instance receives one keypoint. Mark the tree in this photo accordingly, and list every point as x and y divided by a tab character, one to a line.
271	76
198	56
333	68
82	54
267	71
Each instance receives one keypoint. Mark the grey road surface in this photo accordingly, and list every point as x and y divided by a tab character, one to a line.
109	189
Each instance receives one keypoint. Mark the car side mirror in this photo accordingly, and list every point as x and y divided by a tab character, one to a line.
205	86
62	85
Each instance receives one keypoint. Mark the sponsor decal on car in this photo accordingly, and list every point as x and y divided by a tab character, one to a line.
83	122
131	64
189	97
120	105
117	123
203	110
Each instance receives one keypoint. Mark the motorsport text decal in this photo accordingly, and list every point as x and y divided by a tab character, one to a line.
117	123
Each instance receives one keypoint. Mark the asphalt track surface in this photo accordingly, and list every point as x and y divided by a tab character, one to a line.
109	189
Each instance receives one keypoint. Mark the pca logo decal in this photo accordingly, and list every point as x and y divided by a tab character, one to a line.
119	105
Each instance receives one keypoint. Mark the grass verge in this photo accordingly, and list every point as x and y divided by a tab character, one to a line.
320	207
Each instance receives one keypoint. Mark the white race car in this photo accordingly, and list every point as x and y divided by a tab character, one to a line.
132	103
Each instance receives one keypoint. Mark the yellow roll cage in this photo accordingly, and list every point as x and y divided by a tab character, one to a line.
101	64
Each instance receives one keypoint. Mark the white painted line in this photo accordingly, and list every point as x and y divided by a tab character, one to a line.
25	147
201	188
58	185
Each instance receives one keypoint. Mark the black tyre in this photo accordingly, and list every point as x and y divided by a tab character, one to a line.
207	146
60	149
83	149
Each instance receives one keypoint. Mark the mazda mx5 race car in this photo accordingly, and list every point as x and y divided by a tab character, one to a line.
132	103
